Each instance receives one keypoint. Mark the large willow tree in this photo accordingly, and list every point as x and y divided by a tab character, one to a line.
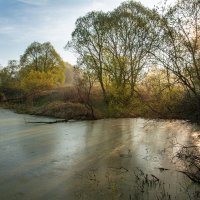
116	47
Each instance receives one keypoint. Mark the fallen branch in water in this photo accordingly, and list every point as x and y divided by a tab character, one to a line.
189	158
156	178
49	122
193	177
162	169
120	168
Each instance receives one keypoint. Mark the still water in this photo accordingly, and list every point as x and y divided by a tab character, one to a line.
103	159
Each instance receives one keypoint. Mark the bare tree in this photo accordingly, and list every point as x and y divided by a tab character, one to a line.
179	46
84	82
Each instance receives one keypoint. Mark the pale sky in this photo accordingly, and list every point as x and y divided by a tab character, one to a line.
25	21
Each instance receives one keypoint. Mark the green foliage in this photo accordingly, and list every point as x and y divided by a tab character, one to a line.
115	46
38	81
161	91
41	68
9	76
41	57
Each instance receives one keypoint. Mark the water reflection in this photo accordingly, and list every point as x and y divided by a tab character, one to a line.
104	159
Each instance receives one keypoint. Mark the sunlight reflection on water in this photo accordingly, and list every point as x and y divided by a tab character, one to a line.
92	159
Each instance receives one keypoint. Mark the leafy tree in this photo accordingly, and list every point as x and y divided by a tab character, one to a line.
115	46
41	68
130	38
36	81
41	57
9	75
88	41
161	92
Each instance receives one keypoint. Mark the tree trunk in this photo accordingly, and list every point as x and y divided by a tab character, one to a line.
197	116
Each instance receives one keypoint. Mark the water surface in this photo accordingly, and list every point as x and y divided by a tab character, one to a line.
102	159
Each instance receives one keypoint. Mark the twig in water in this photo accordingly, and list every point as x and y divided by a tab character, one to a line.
49	122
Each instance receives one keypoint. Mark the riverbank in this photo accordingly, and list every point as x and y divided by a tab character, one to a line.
64	103
59	103
74	111
57	109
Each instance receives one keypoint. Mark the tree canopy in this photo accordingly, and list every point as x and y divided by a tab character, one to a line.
9	75
116	46
41	67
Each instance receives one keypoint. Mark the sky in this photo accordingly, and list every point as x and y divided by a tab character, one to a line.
25	21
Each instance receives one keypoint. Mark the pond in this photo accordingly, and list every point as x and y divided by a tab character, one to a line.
102	159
